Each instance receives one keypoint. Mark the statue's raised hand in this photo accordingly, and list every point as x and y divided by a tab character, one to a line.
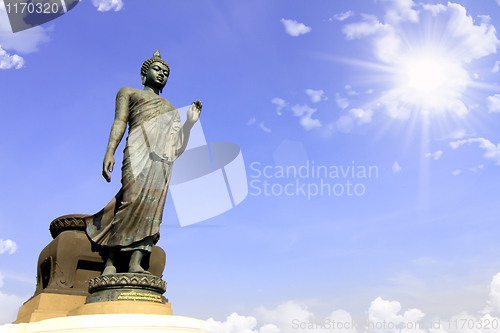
107	166
193	112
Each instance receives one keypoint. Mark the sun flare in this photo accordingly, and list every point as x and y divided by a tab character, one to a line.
426	75
426	63
430	81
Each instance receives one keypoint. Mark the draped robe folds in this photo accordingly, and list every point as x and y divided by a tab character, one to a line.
132	218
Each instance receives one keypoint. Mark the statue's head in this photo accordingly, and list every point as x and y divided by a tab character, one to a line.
155	71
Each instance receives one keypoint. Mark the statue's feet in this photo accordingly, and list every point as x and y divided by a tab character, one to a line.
137	269
109	270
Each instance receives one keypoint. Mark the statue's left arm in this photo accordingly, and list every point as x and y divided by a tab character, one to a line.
193	114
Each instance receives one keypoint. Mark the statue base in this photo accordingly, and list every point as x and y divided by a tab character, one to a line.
127	287
121	293
47	306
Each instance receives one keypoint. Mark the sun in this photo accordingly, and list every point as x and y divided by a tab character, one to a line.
426	75
429	81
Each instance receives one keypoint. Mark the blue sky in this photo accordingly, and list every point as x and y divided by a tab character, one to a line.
409	89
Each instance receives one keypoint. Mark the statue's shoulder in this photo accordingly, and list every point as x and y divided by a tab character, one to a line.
127	91
168	104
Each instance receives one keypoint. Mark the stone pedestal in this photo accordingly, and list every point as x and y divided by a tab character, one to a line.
68	277
46	306
71	296
121	293
68	263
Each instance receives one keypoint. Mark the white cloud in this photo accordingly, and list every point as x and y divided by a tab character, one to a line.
494	300
387	43
456	172
480	166
264	128
316	95
9	305
369	26
351	92
383	311
280	104
239	324
498	2
470	41
345	124
492	152
386	40
251	121
369	91
7	246
434	9
383	316
494	103
26	41
388	46
476	41
396	167
341	102
436	155
394	108
343	16
363	117
458	134
476	76
305	113
269	328
496	67
456	144
8	61
293	28
106	5
342	317
401	11
283	315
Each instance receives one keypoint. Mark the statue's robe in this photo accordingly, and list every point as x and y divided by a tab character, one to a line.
132	218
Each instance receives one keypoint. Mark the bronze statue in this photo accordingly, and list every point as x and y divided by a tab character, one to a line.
130	221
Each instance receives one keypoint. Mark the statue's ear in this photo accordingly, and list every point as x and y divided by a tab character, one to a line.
143	77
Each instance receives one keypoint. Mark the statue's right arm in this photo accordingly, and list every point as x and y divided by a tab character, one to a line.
117	130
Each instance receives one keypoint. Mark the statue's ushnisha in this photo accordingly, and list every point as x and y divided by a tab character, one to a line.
131	220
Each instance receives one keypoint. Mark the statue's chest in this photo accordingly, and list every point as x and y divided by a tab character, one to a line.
148	105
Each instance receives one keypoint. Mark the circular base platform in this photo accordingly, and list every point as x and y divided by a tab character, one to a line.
123	323
120	307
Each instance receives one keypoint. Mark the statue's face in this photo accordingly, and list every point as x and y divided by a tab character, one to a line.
157	75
